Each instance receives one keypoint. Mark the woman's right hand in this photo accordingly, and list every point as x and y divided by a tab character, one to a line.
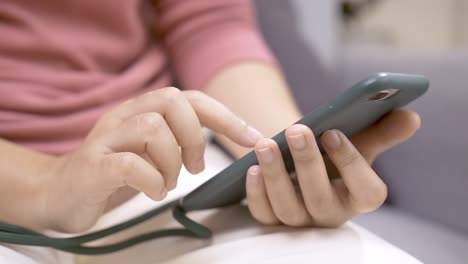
138	146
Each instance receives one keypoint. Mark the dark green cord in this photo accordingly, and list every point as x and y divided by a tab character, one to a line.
198	230
98	250
18	235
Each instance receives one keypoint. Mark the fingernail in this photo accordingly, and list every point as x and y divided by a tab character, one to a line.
297	141
331	139
199	165
172	184
254	170
253	135
266	154
253	174
163	193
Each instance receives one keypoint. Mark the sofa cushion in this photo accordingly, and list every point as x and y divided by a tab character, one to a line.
427	175
426	240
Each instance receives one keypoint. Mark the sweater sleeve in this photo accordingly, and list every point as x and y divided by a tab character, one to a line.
204	36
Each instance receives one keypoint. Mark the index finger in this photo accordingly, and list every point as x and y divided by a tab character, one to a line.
179	115
217	117
184	113
209	112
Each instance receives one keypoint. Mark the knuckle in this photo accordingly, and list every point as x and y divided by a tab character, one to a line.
150	121
201	101
172	94
321	209
270	175
194	96
149	96
347	159
125	162
304	156
106	122
296	130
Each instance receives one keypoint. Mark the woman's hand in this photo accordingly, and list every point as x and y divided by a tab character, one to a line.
135	147
334	187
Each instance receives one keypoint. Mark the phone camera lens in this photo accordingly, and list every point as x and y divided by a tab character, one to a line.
382	95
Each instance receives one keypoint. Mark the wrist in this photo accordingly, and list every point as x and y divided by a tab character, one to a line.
47	193
22	179
40	191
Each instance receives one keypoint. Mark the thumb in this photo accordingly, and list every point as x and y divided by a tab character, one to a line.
386	133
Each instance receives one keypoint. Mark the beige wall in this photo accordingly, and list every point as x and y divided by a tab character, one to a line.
420	24
462	22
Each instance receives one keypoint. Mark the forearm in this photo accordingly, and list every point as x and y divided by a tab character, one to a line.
258	93
21	177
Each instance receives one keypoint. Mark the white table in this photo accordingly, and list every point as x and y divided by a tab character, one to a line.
237	237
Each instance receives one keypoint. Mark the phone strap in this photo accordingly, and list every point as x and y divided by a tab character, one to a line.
14	234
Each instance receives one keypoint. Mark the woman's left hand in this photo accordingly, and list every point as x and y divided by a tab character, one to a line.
330	189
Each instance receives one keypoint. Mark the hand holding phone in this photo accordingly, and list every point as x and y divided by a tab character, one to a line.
335	181
348	115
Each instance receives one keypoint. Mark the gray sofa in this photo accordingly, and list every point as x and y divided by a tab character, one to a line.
427	210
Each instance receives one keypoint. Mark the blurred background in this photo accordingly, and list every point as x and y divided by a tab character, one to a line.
325	46
403	26
416	25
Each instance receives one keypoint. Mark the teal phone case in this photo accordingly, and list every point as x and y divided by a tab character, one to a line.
350	113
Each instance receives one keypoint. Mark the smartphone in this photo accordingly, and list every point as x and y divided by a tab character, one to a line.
354	110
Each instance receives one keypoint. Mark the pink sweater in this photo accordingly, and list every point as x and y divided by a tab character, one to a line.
63	63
